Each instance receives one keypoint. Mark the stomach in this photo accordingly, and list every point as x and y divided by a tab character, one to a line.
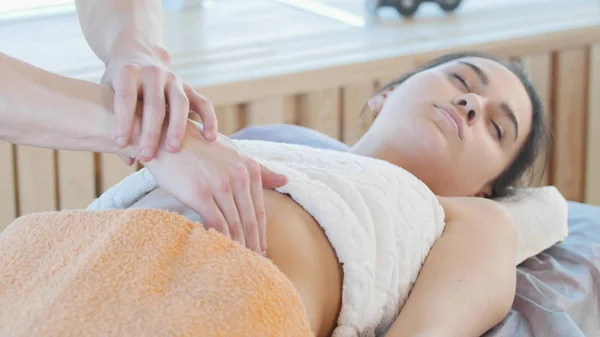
297	245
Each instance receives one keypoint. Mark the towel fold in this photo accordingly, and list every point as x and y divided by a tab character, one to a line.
380	220
138	273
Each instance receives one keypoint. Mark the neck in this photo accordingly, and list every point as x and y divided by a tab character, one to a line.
372	146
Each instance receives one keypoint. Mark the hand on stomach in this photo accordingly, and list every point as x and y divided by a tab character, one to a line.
296	244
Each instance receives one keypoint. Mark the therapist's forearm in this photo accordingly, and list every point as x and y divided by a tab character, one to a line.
42	109
113	27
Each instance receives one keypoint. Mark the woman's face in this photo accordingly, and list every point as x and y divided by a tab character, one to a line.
456	126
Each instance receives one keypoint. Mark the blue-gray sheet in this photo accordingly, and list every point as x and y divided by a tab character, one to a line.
558	291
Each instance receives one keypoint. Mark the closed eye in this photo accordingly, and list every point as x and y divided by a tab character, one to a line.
461	80
499	130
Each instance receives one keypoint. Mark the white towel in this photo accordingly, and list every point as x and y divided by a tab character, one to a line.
380	219
541	216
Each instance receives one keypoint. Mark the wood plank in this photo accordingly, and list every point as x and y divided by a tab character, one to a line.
592	186
76	179
568	160
355	123
321	111
36	180
539	70
111	171
8	200
232	56
228	118
274	110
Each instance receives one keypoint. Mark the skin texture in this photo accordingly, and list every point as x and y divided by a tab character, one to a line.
210	177
411	132
467	282
468	273
139	67
127	35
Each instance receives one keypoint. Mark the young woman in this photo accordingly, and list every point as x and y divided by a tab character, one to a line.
468	126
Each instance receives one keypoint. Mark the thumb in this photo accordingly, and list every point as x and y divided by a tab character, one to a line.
271	179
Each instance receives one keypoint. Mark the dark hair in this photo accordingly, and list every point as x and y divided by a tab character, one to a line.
537	141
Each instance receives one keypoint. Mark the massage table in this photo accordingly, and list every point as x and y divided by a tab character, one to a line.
558	290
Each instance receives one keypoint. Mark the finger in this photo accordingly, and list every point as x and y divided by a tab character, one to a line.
257	195
271	179
154	111
211	216
244	203
179	107
203	108
226	204
127	160
125	86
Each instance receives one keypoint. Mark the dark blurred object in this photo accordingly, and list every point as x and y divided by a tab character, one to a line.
407	8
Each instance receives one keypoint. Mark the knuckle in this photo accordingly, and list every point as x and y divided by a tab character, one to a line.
224	183
171	77
203	194
151	137
261	216
253	168
128	95
153	70
130	69
204	102
185	101
240	172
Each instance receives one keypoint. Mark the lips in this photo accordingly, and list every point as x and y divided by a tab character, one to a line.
454	117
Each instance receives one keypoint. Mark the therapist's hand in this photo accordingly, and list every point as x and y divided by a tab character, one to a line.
220	184
135	73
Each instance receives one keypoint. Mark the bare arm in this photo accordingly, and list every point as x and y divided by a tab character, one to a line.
42	109
128	36
116	26
468	280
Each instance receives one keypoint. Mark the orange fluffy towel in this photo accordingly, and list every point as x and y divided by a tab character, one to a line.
138	273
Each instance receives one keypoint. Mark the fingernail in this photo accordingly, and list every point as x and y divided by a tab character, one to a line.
121	141
146	154
174	143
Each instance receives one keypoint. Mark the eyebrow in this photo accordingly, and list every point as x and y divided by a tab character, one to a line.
482	76
505	108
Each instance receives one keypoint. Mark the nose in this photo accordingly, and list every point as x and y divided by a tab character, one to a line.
471	107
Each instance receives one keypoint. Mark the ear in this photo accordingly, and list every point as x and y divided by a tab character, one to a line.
376	102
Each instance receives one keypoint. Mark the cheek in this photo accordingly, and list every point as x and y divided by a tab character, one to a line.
423	87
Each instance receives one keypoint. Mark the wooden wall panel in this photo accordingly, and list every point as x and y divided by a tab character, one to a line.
111	170
592	186
321	111
36	179
271	110
568	159
76	182
8	201
355	97
229	118
539	70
